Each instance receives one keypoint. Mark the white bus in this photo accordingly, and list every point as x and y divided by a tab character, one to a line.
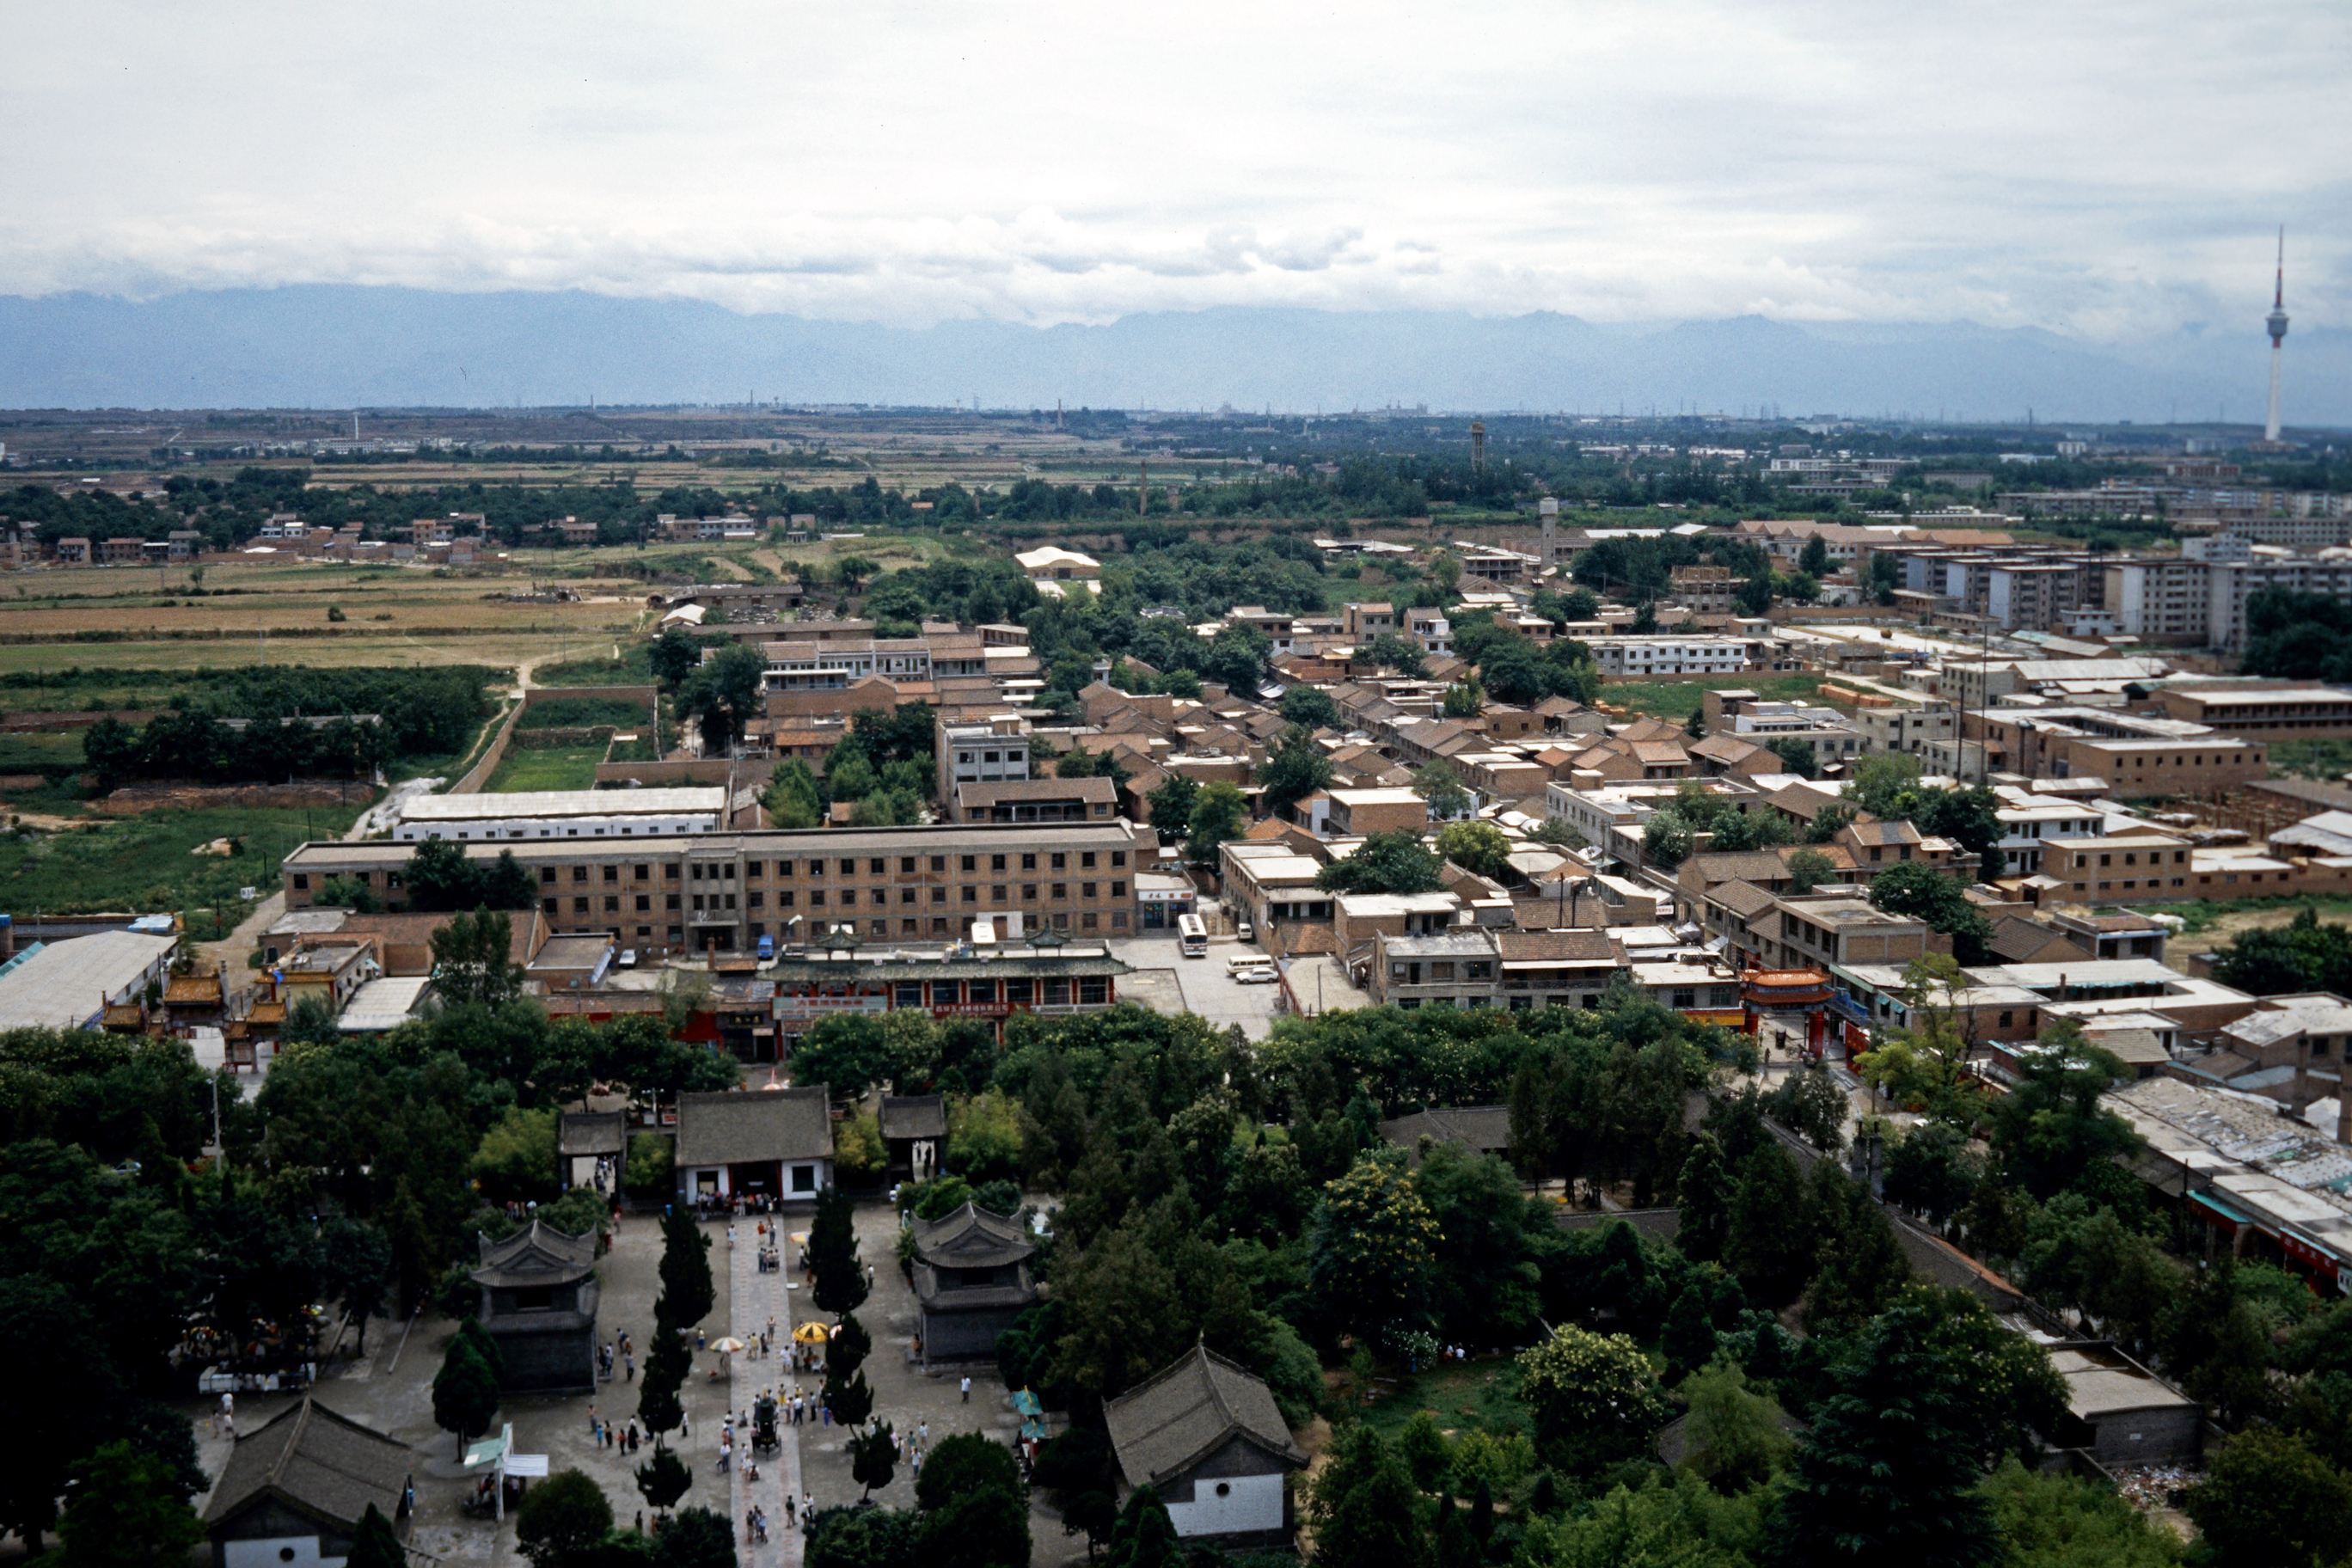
1192	936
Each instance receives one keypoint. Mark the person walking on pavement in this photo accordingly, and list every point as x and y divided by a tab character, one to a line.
967	1389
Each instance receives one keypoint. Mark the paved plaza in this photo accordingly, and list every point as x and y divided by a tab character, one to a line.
391	1390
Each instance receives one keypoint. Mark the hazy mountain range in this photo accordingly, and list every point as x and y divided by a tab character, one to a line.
335	346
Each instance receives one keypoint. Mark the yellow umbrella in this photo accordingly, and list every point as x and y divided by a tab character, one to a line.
812	1334
798	1238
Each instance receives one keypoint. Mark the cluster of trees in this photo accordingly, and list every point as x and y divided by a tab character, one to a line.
1244	1200
376	720
2303	955
2300	636
884	764
439	876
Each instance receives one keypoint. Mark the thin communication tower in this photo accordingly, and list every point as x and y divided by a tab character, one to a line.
2276	324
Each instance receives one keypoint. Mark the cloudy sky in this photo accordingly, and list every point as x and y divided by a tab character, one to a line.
2108	171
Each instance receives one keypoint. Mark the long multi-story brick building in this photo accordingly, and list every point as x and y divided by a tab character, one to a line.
724	891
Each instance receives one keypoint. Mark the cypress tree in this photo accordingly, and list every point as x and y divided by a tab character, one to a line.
1890	1474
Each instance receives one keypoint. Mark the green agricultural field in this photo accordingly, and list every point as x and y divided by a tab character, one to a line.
145	864
583	713
40	752
551	767
1678	699
633	667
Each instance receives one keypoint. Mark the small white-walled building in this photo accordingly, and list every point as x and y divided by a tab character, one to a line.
1208	1438
293	1491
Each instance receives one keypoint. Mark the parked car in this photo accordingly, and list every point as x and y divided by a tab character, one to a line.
1266	976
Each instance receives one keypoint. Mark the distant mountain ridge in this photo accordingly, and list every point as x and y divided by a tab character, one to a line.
335	346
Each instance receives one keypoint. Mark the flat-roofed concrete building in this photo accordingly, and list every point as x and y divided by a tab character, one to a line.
724	890
562	813
2265	712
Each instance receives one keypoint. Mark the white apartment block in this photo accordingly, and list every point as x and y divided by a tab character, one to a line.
1645	658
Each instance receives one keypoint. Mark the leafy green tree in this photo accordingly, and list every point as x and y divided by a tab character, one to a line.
722	695
1737	1437
1931	1170
1310	707
795	797
1365	1510
1888	1473
1218	812
1770	1244
975	1506
672	657
1295	768
561	1519
1484	1286
1860	1266
1923	892
1809	869
1813	560
864	1538
1392	651
696	1538
2050	1520
464	1391
1477	847
848	1053
516	1162
1439	785
1704	1194
1080	1477
473	964
1374	1242
1593	1397
123	1510
1463	700
2268	1500
1171	804
667	1362
2303	955
1383	863
2051	1127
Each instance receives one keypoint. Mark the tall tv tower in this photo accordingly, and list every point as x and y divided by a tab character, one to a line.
2277	324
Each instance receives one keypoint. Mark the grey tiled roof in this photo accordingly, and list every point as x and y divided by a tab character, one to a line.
739	1126
1163	1426
914	1116
536	1255
592	1132
1482	1128
321	1464
971	1237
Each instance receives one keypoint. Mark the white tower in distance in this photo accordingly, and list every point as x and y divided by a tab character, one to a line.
2277	324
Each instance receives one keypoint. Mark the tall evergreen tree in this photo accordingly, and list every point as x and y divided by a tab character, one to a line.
832	1252
1890	1475
686	1292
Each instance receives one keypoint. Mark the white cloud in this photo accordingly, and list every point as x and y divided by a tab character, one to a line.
2100	169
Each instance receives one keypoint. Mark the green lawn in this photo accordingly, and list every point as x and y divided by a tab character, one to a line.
551	767
1461	1395
2327	760
145	865
1678	699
